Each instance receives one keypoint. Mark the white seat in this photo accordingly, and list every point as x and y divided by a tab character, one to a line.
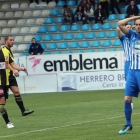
52	4
33	5
9	14
22	47
45	12
24	6
37	13
14	48
28	38
18	14
24	30
17	54
27	14
30	21
1	14
3	23
5	6
42	5
6	31
21	22
15	30
11	22
40	21
34	29
18	39
3	40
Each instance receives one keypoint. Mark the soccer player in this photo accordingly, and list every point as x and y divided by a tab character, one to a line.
5	60
9	40
133	78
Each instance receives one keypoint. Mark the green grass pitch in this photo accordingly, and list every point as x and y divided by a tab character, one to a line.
83	115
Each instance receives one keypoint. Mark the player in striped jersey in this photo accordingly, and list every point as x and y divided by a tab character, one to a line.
133	78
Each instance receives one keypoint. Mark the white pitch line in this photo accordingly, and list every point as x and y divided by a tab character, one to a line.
53	128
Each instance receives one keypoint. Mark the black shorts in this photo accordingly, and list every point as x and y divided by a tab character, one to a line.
4	91
12	81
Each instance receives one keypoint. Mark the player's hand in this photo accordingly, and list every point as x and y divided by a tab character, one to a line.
32	53
16	73
24	69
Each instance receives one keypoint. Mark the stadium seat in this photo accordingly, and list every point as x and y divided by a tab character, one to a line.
21	22
121	49
5	6
17	54
112	17
69	37
43	29
54	12
18	14
42	4
40	21
24	30
78	2
69	52
125	8
60	4
64	28
58	37
113	49
5	31
85	44
3	23
1	14
90	51
63	45
14	48
101	50
75	28
49	21
115	26
74	45
36	13
96	26
30	21
80	51
45	13
24	6
53	29
117	43
9	14
107	43
138	6
90	35
131	23
112	34
120	7
58	52
80	36
52	46
34	29
107	26
27	49
74	10
58	20
48	38
71	3
15	30
47	53
52	4
122	16
27	13
22	47
33	5
101	35
44	46
18	39
85	27
10	22
38	38
25	54
62	12
96	44
28	38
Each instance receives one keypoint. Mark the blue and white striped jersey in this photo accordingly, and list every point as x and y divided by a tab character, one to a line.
126	47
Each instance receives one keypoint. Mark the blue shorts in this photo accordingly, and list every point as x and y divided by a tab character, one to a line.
133	83
126	69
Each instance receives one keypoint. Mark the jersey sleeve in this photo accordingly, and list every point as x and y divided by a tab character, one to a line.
10	59
122	38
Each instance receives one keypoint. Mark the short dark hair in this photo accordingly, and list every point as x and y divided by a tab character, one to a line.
65	6
128	24
7	37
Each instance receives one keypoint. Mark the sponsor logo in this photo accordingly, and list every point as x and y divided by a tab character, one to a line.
19	64
1	91
6	58
35	61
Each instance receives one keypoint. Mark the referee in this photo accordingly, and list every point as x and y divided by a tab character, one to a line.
9	40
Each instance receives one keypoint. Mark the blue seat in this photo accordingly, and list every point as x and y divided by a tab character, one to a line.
131	23
25	54
47	53
91	36
69	52
125	8
60	4
54	12
49	21
63	45
85	27
122	16
101	35
115	26
112	34
113	49
48	38
121	49
58	52
59	20
75	28
69	37
117	43
120	7
52	46
71	3
96	44
96	26
58	37
85	44
43	29
64	28
80	51
107	43
53	29
101	50
27	49
112	17
74	45
90	51
107	26
138	6
38	38
62	12
73	11
80	36
78	2
44	46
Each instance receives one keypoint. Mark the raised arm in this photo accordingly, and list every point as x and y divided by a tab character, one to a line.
119	33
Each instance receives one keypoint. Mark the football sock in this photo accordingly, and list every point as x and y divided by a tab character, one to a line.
4	113
20	103
128	112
